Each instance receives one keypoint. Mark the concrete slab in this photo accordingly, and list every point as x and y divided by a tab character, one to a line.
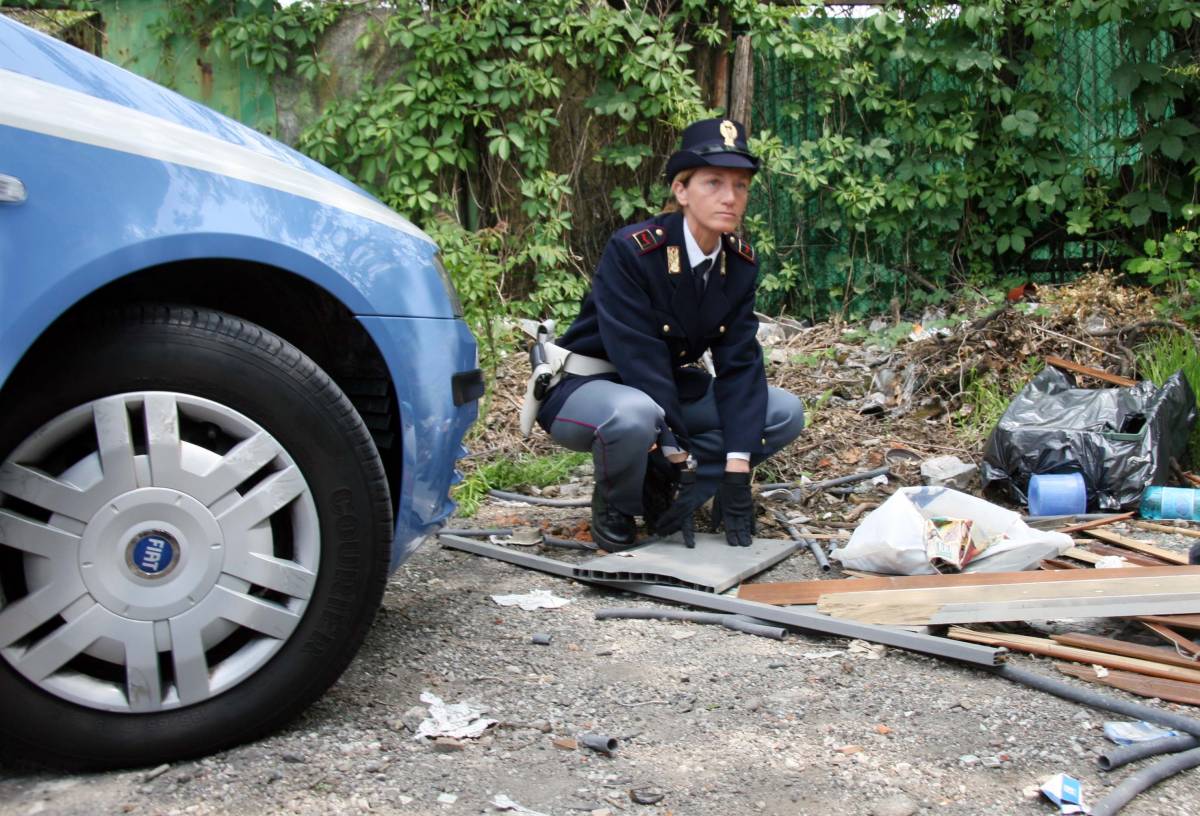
713	566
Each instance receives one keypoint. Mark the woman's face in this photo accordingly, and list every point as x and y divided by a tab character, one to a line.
714	198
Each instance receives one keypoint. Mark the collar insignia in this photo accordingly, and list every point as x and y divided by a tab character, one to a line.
740	247
673	267
648	239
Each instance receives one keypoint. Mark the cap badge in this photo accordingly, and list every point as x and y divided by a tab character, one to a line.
729	131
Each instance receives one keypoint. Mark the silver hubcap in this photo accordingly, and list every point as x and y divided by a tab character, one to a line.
156	549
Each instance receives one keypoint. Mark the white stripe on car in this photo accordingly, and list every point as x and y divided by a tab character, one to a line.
43	107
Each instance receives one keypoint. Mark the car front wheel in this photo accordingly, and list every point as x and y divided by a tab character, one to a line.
194	537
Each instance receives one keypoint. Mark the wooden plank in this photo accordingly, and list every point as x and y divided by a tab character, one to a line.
1171	690
1174	638
1080	554
1088	525
1115	379
1123	647
1137	545
1098	597
1102	549
808	592
1047	647
1175	621
1058	564
1166	528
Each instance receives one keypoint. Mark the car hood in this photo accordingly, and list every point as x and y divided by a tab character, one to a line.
33	54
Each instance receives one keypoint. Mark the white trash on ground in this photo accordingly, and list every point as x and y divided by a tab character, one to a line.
502	802
455	720
891	540
536	599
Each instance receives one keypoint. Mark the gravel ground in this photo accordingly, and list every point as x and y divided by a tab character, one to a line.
711	721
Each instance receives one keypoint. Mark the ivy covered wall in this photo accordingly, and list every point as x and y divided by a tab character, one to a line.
909	151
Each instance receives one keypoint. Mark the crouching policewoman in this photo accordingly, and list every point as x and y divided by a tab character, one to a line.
665	434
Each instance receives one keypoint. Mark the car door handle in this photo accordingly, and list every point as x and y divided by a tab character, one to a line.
12	190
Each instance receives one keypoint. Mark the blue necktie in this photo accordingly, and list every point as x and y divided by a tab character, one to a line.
698	279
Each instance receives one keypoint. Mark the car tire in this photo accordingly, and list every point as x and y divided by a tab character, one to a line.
195	532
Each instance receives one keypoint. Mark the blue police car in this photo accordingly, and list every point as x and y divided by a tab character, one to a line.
232	390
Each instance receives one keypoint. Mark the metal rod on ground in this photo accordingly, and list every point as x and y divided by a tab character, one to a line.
813	544
1114	758
799	617
568	543
1143	779
738	623
840	480
521	497
549	541
500	531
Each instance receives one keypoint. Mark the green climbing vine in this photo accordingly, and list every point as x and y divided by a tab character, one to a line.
917	148
940	142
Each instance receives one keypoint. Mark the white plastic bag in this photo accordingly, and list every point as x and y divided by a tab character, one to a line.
891	540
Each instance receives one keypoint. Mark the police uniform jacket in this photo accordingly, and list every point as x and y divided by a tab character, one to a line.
644	315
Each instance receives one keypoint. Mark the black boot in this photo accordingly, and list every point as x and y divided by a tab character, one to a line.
612	530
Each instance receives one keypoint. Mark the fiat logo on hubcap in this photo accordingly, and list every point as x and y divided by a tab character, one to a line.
152	554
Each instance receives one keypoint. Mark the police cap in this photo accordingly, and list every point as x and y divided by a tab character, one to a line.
712	143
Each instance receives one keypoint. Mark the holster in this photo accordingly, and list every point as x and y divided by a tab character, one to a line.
549	362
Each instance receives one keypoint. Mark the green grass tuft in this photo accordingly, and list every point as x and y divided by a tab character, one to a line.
1161	357
516	474
989	395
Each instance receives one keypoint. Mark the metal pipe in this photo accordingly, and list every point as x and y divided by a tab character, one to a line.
521	497
1114	758
738	623
500	531
814	546
799	617
568	543
840	480
599	742
1145	778
549	540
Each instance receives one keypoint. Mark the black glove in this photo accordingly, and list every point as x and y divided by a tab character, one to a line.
735	507
679	514
658	488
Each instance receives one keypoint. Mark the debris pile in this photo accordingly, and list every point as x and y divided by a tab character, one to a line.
878	492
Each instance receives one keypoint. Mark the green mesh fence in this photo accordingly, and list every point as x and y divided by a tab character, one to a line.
1098	121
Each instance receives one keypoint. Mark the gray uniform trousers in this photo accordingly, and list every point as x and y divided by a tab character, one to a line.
618	424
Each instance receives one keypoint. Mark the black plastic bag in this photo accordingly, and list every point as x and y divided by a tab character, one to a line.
1120	439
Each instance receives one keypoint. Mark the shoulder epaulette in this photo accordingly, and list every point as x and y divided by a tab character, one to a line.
741	247
648	239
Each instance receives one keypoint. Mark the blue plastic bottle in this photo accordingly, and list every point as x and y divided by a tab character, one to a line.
1170	503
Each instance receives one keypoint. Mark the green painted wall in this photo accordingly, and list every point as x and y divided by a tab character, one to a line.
229	86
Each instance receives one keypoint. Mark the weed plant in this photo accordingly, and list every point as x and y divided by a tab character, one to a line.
508	473
1159	358
988	395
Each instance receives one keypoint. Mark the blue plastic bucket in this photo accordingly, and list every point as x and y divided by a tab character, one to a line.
1057	494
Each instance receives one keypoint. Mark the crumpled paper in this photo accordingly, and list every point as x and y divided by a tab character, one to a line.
537	599
456	720
502	802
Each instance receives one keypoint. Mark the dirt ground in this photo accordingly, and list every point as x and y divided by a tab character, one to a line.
716	722
709	722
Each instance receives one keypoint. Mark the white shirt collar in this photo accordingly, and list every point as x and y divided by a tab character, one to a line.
695	253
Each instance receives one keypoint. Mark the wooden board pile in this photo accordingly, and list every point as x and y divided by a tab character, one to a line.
1153	586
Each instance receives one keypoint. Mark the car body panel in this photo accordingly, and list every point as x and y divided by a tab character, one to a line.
124	176
424	391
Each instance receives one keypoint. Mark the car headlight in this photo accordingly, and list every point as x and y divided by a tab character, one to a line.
451	293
